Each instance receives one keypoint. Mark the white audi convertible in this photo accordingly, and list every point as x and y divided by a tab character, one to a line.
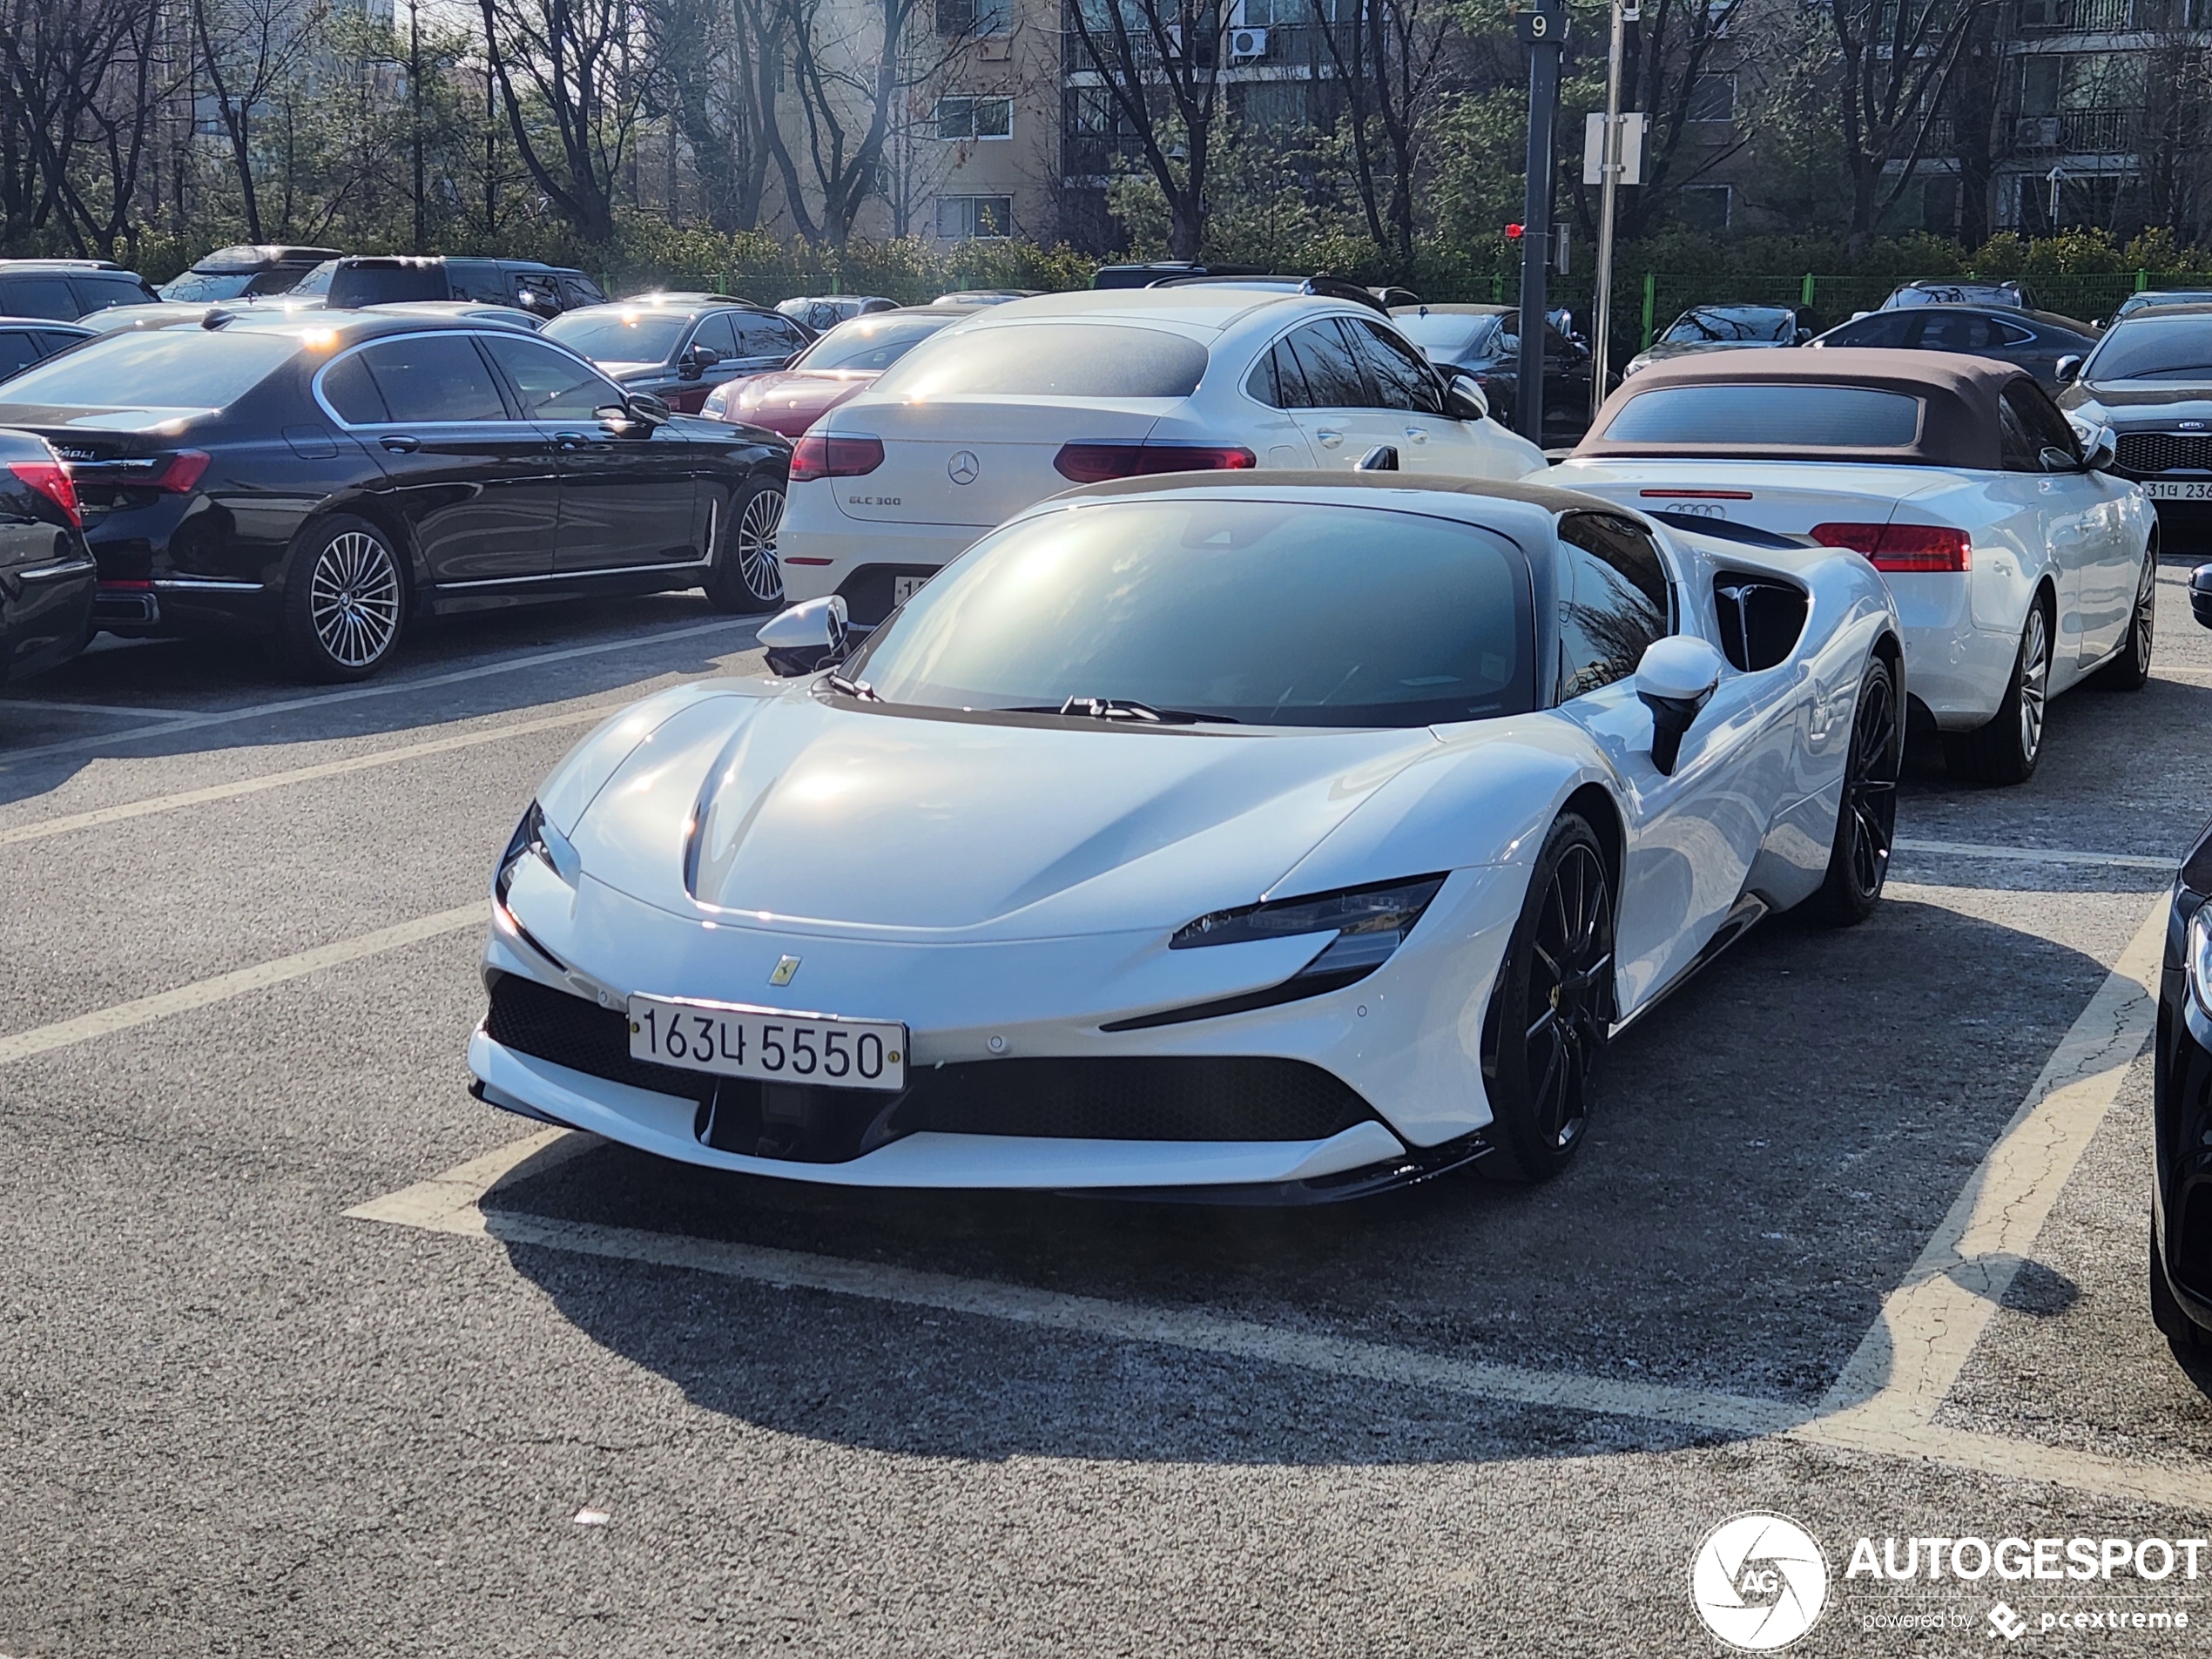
2022	564
1292	835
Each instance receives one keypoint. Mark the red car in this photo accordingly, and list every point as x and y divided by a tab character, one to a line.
841	364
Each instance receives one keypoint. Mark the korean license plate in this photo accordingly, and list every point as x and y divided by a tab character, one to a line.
2178	489
774	1045
903	587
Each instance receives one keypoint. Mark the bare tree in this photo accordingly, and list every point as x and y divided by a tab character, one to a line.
1898	60
717	61
1160	63
1389	58
566	64
78	85
249	50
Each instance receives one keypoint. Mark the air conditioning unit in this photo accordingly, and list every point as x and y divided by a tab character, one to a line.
1246	45
2037	133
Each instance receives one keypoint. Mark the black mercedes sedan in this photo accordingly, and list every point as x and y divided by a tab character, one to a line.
2038	342
46	571
2181	1212
320	478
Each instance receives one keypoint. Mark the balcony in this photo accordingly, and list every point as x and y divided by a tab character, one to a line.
2076	16
2078	132
1299	46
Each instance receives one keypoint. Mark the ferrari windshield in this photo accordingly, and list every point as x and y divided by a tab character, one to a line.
1702	324
2152	347
1267	613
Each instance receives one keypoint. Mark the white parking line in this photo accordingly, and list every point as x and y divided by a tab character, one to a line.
128	810
2034	854
201	992
381	688
121	711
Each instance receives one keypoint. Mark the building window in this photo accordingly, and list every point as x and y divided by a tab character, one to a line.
1705	207
1275	106
975	17
975	117
1939	205
1712	97
968	219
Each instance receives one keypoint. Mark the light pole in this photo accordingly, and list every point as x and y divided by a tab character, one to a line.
1608	198
414	111
1543	27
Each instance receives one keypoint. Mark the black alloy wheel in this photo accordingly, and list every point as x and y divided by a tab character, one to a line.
2130	671
2007	749
345	600
744	578
1552	1012
1859	858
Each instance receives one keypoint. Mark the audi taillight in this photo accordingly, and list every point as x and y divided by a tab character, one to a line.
1093	463
52	480
816	457
1905	548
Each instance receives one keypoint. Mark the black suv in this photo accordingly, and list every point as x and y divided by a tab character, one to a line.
67	289
677	346
542	290
247	271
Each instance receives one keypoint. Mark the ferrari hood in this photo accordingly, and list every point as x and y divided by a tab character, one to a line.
792	810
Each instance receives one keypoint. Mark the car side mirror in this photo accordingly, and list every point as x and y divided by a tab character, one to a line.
2051	458
808	637
1675	680
695	361
1464	398
1803	335
2200	595
2100	450
2069	367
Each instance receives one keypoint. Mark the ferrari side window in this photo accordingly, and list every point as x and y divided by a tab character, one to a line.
1615	601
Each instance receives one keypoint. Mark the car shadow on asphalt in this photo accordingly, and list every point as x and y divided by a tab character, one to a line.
1771	1155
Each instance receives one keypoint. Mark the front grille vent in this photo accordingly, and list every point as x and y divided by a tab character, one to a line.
2147	452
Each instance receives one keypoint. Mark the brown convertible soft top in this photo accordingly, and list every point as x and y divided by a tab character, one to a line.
1959	425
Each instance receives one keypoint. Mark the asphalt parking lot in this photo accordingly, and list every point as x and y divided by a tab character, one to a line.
302	1351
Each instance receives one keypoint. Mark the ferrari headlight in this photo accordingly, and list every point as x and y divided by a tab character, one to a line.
1369	923
536	838
2196	959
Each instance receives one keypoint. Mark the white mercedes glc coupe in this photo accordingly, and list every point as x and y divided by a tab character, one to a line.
1301	833
1018	402
2022	565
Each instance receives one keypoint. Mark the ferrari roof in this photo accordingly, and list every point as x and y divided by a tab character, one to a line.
1960	425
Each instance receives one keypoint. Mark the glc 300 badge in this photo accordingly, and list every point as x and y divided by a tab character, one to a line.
963	467
786	967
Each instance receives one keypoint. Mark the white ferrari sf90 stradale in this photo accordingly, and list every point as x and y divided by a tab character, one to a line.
1296	834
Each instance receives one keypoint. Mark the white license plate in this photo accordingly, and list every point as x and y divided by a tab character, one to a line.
2176	489
771	1044
902	588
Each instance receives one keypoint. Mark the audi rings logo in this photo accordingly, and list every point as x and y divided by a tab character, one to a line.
1701	509
1758	1583
963	467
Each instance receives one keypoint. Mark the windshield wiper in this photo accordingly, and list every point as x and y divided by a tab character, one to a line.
861	689
1128	708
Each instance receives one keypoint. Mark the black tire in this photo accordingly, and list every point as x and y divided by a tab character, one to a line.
2183	1332
1859	857
1545	1035
345	600
2130	671
744	579
2007	750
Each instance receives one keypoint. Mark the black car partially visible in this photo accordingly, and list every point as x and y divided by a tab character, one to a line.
2037	340
248	272
2181	1214
1485	341
47	574
320	479
679	349
2150	381
26	341
393	278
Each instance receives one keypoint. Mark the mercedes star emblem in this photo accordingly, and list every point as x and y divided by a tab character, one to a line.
963	467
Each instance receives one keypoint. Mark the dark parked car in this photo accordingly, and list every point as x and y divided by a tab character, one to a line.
1961	292
841	364
2150	379
321	478
819	313
47	575
1154	272
2034	341
1703	328
2159	299
65	290
679	350
1485	340
546	290
2181	1211
248	272
26	341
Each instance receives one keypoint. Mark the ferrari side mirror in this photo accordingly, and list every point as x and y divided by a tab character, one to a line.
808	637
1675	680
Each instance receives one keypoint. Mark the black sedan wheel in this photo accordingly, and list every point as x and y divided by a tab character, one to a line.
345	600
2130	671
1859	858
745	579
1544	1037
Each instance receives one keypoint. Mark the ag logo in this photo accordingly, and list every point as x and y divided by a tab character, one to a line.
1758	1583
963	467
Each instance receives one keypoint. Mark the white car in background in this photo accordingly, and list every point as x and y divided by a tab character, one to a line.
1026	399
2021	565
